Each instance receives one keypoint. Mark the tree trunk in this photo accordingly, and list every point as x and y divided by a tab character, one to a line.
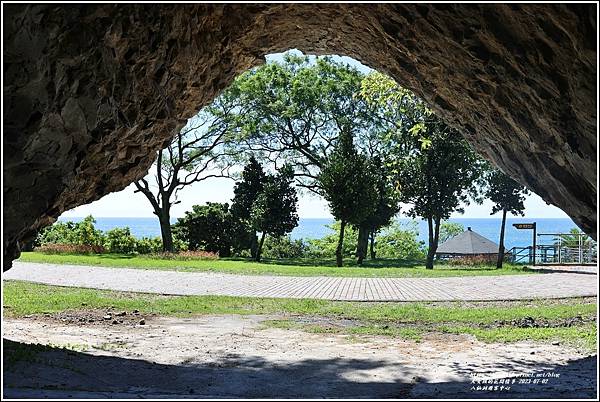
164	217
338	252
254	245
372	246
260	246
362	244
434	236
501	245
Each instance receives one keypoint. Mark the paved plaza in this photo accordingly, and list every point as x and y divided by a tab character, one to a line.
559	282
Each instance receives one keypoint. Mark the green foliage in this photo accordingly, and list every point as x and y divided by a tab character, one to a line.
450	229
435	169
572	239
120	240
148	245
275	210
87	239
386	199
325	246
506	194
346	183
438	179
294	110
246	190
80	233
207	227
284	247
401	242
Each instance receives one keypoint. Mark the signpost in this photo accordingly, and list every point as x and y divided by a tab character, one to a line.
528	226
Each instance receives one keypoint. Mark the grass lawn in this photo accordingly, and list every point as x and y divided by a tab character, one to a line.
488	322
293	267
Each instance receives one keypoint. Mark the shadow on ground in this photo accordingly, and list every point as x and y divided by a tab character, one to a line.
35	371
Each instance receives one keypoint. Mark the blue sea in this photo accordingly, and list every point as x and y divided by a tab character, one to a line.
316	228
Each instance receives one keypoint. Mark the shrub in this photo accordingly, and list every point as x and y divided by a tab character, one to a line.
120	240
58	248
84	232
400	242
207	227
148	245
186	255
80	233
325	247
58	233
283	247
473	260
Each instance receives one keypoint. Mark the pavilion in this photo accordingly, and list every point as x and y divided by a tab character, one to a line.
468	243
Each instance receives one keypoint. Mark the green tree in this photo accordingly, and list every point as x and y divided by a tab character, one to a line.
207	227
293	111
246	192
347	186
507	196
326	246
197	152
450	229
385	208
437	178
274	212
436	169
401	242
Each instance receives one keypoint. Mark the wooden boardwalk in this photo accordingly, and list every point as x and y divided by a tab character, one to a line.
554	284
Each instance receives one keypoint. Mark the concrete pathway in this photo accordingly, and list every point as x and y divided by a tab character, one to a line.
558	283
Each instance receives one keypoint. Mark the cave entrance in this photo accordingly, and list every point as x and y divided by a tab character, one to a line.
128	75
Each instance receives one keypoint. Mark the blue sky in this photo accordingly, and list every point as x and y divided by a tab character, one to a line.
126	203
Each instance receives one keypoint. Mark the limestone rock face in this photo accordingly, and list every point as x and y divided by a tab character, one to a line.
92	91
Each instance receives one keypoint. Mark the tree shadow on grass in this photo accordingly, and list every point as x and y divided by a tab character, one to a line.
33	371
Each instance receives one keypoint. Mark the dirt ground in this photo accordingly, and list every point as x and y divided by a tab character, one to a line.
93	356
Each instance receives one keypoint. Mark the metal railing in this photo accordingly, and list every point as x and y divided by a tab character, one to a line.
558	248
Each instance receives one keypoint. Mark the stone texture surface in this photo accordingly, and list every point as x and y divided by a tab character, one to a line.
91	91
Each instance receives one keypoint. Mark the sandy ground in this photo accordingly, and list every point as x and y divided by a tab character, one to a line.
235	356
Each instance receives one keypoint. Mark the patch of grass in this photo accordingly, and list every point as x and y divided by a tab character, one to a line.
22	298
583	337
286	267
363	328
403	320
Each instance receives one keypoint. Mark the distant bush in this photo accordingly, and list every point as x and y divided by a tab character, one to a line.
325	247
186	255
57	248
284	247
81	233
148	245
120	240
474	260
400	242
83	238
211	227
450	229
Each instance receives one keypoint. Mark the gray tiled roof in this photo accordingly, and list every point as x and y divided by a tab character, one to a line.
468	242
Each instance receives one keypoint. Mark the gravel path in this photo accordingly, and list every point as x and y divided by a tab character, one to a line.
554	284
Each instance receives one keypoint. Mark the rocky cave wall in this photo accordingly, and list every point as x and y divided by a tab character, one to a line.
92	91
